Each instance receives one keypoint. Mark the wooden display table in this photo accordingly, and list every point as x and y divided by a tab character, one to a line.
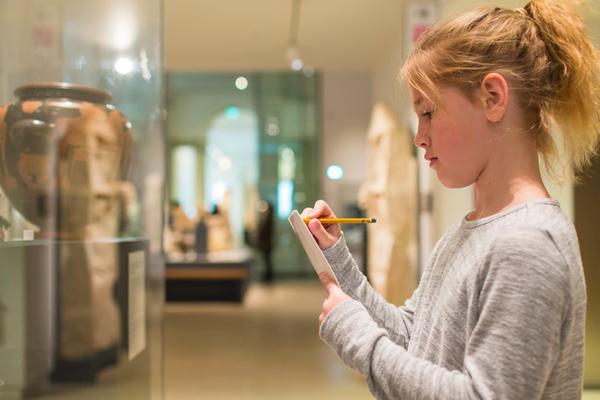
221	276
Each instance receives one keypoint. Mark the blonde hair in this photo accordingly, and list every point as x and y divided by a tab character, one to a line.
545	55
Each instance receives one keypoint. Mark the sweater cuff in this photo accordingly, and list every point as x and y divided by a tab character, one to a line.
352	333
341	261
337	249
336	317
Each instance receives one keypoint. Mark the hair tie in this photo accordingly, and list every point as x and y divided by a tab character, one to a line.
527	10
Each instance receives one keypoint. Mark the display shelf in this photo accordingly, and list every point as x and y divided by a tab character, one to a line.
222	276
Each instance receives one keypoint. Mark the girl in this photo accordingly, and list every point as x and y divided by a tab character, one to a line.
499	311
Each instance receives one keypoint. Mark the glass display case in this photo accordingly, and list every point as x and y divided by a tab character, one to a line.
81	199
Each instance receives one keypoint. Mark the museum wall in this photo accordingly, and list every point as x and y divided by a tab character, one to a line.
346	110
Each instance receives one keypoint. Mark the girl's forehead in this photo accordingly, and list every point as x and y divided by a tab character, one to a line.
419	98
442	95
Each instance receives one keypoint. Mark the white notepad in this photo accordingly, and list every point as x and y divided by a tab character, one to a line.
312	249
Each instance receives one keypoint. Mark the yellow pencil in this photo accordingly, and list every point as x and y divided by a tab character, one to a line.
343	220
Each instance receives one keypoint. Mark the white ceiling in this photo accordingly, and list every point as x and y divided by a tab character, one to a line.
227	35
238	35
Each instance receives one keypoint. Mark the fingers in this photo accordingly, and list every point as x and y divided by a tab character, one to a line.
317	229
323	237
326	236
307	213
320	210
329	283
335	295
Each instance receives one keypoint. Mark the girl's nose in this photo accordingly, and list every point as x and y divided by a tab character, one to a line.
421	138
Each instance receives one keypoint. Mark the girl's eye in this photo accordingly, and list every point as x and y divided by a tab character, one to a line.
427	114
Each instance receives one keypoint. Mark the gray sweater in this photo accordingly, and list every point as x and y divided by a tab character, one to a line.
498	314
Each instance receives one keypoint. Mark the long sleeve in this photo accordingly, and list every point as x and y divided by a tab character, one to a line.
396	320
521	301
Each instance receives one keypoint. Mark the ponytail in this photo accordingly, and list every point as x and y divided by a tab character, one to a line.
573	74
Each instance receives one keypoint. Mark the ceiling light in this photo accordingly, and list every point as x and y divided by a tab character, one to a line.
241	83
297	64
291	52
293	56
335	172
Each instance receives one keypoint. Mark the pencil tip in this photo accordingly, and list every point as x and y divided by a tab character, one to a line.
373	220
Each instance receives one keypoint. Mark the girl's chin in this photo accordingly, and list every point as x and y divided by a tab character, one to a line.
453	182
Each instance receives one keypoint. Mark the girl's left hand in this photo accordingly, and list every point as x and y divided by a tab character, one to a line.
335	295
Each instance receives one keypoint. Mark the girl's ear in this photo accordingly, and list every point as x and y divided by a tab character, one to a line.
494	95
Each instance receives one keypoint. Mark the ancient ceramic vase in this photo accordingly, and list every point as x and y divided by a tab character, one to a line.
63	148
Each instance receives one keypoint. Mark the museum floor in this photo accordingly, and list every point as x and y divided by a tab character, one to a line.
266	349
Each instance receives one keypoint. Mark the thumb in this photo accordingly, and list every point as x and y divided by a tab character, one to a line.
327	281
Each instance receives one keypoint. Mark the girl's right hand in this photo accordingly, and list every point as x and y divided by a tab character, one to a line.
326	236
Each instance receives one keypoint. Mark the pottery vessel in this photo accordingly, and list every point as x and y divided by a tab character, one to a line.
61	147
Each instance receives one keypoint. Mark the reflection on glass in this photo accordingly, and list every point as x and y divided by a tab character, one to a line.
123	65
